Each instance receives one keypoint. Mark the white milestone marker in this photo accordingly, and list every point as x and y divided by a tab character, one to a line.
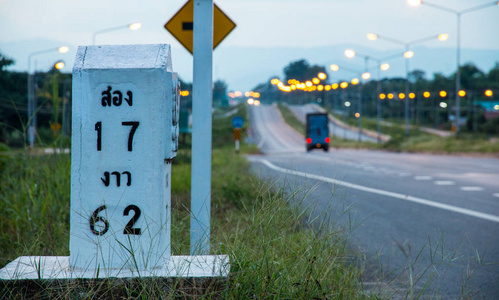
125	113
124	138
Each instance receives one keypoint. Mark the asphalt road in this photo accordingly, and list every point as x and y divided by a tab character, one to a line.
335	130
431	218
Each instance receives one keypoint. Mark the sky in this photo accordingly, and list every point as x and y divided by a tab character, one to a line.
268	35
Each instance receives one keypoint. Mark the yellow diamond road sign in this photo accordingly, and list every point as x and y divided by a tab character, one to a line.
181	25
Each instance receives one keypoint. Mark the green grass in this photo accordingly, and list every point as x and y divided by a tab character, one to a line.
273	251
291	119
395	130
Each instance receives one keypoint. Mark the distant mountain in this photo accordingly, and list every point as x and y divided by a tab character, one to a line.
244	67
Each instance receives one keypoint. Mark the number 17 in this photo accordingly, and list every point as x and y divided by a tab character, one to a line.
134	124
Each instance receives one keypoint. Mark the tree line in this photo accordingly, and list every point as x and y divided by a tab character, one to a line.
53	103
476	110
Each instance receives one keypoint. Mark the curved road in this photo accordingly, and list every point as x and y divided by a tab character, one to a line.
431	218
302	110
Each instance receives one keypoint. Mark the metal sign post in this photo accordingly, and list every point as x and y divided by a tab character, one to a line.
200	26
201	127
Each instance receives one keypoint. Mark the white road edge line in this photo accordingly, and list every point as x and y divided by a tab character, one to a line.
495	195
444	182
262	141
443	206
423	177
471	188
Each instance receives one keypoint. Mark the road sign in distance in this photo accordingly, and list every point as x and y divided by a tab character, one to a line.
237	122
236	133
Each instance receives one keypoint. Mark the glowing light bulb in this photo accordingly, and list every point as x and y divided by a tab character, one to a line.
349	53
414	2
135	26
372	36
408	54
59	65
443	37
63	49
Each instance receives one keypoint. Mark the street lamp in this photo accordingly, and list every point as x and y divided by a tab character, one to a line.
31	93
59	65
131	26
354	82
380	66
407	54
458	14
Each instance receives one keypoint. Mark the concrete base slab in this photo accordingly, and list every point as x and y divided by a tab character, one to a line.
57	267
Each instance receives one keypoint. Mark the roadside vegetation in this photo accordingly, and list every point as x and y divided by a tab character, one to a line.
273	253
417	141
431	95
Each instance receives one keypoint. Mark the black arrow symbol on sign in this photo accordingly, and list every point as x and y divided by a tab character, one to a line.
187	26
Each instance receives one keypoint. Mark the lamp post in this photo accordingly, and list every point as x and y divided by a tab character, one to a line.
380	66
366	75
131	26
32	96
458	14
408	54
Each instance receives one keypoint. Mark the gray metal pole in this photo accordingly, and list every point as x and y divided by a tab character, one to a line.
201	127
30	105
406	93
378	101
366	58
31	126
360	111
458	74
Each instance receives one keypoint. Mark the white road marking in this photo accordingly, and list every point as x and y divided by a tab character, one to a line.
496	195
261	142
404	174
443	206
423	177
471	188
444	182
